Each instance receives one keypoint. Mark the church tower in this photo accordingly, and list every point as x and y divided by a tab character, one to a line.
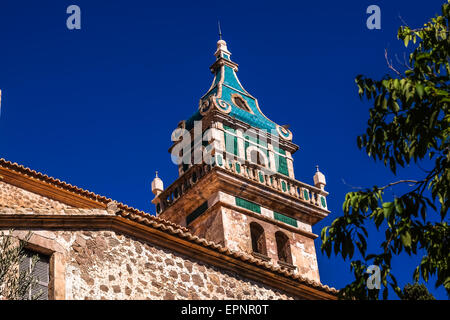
236	184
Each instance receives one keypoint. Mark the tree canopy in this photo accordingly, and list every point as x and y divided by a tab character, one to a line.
15	283
416	291
408	125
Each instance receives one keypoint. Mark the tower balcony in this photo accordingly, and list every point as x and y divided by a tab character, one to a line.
300	200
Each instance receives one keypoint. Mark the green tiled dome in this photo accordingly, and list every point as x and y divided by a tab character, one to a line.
227	87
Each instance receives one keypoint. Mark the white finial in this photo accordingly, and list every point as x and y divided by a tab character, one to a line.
319	179
222	46
157	185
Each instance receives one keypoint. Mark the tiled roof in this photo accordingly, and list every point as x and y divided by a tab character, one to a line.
102	200
166	226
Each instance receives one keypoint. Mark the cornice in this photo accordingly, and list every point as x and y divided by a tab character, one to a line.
55	189
217	116
223	62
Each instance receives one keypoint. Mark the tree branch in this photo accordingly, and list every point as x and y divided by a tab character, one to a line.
345	183
389	63
398	182
404	63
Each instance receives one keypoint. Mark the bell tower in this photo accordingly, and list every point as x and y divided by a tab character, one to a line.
236	184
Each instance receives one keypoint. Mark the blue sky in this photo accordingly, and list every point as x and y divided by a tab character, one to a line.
96	107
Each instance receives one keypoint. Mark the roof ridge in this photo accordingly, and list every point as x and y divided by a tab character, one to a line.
80	191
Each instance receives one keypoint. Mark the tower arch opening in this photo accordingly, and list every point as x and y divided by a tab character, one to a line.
283	247
258	238
257	156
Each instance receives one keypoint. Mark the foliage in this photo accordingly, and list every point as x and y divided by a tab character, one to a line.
408	125
14	285
416	291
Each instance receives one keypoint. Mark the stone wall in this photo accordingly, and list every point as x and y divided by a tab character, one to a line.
14	200
104	264
101	264
209	226
237	235
231	228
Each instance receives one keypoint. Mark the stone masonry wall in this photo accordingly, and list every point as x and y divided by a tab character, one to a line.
102	264
106	265
209	226
237	235
14	200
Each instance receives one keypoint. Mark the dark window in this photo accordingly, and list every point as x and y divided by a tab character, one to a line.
258	238
40	272
240	103
283	247
197	212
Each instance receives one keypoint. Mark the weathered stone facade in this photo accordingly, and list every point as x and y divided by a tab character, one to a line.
303	251
230	227
226	223
107	265
92	263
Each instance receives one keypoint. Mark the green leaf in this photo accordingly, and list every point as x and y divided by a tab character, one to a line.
406	239
419	90
398	206
388	207
409	119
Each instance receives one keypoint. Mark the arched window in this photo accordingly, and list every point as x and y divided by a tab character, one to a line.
283	247
258	238
256	156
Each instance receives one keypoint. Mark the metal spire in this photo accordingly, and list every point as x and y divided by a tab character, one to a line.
220	30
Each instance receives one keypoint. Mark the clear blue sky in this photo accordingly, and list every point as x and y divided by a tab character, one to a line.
95	107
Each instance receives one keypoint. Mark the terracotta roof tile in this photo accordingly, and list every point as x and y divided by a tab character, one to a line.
82	192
